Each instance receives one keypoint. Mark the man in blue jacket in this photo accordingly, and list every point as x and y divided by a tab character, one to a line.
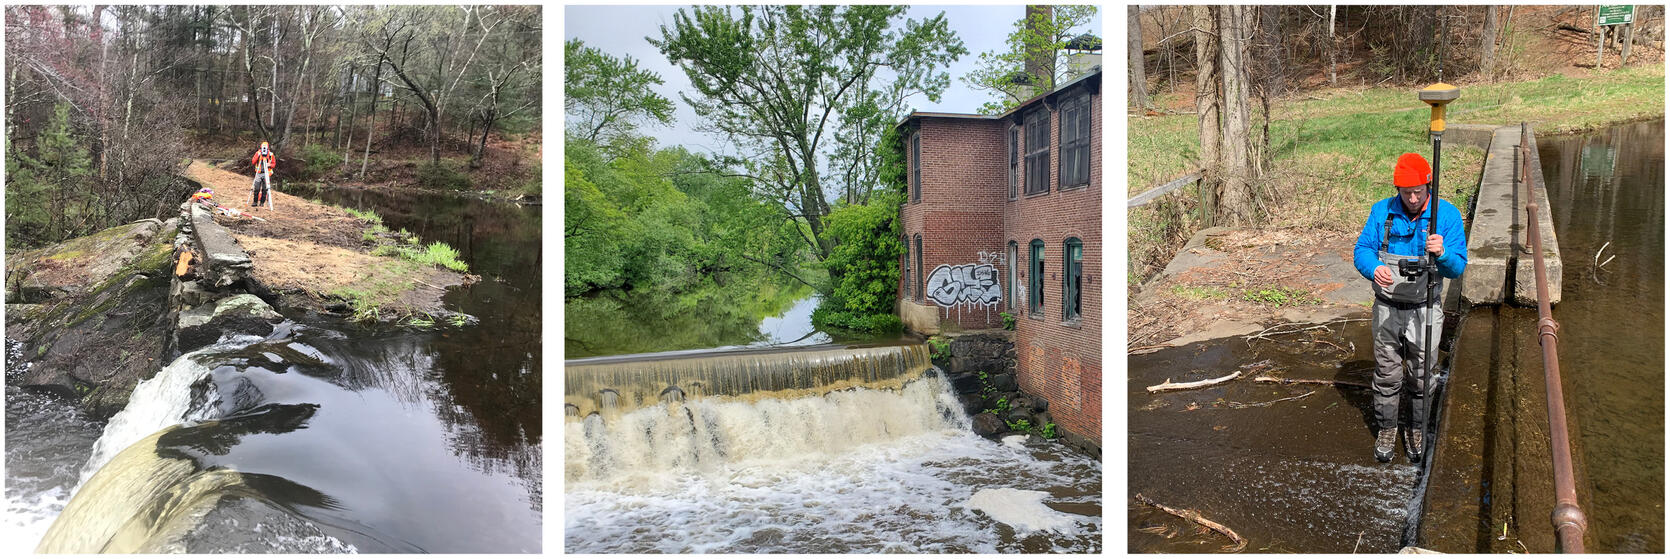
1397	230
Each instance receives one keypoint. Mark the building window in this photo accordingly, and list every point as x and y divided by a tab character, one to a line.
1038	152
1075	142
916	167
906	241
919	273
1035	283
1072	272
1009	291
1014	165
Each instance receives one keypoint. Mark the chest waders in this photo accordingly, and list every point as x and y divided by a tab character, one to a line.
1405	316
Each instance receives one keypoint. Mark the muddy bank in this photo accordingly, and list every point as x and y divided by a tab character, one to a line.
1232	282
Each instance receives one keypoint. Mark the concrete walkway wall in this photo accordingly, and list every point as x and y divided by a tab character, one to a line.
1497	240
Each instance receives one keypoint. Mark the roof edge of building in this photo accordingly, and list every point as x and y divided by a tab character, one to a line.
1006	114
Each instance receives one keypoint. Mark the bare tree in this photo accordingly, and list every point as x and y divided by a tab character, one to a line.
1133	43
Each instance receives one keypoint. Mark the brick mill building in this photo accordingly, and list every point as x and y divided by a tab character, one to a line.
1004	215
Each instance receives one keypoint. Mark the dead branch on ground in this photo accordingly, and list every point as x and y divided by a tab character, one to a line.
1243	405
1169	386
1313	381
1195	517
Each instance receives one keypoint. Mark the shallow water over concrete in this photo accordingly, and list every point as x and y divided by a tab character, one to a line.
1492	488
1290	476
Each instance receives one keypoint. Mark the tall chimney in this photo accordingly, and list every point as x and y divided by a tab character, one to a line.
1041	61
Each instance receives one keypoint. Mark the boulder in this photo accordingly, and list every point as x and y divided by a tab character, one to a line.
1004	382
972	403
238	314
987	424
965	383
1018	414
102	324
1033	403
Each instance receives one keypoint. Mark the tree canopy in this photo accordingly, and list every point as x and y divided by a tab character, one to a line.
803	93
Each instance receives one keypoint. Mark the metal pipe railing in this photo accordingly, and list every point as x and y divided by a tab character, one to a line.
1569	522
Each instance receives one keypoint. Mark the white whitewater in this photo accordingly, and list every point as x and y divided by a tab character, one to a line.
162	401
852	471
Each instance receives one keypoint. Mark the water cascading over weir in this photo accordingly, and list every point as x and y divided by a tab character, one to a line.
662	412
614	385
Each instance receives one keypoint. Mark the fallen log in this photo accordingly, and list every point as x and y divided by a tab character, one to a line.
1169	386
1195	517
1277	380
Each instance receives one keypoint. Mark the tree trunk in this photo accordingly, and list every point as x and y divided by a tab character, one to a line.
371	124
1487	43
1133	42
1333	47
1629	37
1235	32
1206	106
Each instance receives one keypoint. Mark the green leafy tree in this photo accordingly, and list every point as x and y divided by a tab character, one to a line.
863	264
1047	33
800	91
606	97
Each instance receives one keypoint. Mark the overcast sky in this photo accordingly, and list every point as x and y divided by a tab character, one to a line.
620	30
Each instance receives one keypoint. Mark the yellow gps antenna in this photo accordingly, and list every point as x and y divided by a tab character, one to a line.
1438	95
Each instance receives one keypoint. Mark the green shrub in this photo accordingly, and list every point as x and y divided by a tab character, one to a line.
1008	320
939	348
318	161
824	317
442	175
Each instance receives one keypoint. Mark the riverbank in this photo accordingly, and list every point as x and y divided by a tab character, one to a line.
329	260
1333	148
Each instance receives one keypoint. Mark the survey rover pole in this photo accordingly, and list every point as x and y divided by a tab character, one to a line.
1437	95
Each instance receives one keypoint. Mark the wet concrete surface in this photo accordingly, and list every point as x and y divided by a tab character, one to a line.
1289	476
1493	469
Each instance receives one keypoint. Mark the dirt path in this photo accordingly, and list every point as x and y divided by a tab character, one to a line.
313	255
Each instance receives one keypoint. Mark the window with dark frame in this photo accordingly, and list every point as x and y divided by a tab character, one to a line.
1037	151
1073	271
916	167
1035	283
908	294
1009	293
919	274
1014	163
1075	142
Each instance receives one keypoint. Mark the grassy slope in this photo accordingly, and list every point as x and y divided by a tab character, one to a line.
1334	151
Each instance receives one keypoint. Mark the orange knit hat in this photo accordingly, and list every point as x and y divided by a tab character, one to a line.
1411	170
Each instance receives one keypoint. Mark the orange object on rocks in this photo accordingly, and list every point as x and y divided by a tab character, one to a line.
184	264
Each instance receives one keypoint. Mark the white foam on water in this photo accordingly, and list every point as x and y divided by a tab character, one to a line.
1015	441
1023	510
162	401
852	471
28	517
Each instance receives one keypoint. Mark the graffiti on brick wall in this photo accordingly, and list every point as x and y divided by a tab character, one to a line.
967	284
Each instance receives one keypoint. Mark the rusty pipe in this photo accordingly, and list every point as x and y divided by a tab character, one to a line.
1569	521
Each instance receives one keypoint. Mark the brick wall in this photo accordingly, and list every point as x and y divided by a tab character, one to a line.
1058	360
965	210
959	216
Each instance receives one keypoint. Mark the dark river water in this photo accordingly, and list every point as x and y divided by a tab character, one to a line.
1607	189
322	437
1296	475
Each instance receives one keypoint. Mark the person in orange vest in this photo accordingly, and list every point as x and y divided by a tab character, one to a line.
264	163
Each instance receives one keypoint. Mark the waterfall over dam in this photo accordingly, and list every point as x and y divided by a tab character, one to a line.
614	385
